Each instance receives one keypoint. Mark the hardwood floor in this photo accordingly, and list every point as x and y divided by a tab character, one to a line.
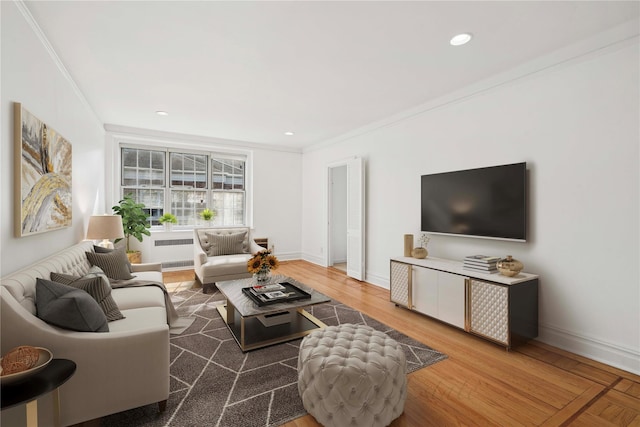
481	384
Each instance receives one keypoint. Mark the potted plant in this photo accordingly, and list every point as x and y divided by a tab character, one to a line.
261	264
208	215
135	222
168	220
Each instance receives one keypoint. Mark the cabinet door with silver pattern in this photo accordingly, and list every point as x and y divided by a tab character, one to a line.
400	282
489	310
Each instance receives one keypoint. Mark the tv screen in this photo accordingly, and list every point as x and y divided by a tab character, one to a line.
486	202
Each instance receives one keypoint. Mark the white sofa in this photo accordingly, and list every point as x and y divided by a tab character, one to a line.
122	369
210	268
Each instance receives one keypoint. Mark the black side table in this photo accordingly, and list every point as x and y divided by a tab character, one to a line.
27	391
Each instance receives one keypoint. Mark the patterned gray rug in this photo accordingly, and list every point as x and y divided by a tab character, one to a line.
214	384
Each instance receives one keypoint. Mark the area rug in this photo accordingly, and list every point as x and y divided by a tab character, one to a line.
213	383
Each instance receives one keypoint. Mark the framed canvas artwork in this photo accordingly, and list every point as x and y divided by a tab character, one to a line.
42	176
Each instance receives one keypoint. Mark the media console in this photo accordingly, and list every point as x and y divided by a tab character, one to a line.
499	308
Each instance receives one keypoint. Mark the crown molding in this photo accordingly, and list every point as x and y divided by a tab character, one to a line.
26	13
149	135
599	44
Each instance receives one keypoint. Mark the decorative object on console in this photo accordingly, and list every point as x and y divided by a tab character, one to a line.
421	252
261	265
135	222
481	263
408	244
168	220
42	176
105	227
509	266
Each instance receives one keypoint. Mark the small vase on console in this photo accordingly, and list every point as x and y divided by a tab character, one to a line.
419	253
509	266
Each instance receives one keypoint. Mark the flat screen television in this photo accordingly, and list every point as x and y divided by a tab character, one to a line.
488	202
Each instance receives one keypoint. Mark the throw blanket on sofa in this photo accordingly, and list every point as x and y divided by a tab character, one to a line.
177	324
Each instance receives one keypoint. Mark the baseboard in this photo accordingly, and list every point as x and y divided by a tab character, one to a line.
377	280
287	256
619	357
313	259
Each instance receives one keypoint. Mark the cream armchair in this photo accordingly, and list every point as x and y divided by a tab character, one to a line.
221	254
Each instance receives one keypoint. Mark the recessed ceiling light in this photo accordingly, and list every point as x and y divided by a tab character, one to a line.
162	113
289	133
460	39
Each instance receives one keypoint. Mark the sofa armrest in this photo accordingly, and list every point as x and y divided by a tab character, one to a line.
254	247
107	362
148	266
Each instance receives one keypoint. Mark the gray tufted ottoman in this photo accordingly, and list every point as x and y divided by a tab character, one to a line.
352	375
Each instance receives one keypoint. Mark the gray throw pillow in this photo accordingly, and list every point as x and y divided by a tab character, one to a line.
225	244
68	307
115	264
100	250
96	284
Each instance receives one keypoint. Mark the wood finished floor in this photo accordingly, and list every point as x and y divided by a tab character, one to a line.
480	384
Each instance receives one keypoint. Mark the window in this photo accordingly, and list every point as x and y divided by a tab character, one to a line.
227	181
188	186
185	183
143	177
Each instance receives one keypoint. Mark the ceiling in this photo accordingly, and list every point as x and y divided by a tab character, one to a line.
251	71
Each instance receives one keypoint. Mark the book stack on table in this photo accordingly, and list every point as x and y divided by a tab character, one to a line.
481	264
271	291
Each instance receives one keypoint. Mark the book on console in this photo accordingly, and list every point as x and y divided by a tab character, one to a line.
479	270
486	259
492	266
476	270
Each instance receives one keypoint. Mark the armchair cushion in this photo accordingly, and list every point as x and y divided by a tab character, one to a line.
226	244
96	284
115	264
68	307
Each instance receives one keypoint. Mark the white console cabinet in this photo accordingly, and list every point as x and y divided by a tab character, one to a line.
502	309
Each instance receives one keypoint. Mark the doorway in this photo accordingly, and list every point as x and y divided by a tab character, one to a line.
338	217
345	216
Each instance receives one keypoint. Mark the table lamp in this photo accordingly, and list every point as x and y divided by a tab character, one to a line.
105	227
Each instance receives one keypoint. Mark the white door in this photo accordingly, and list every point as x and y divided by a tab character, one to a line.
355	218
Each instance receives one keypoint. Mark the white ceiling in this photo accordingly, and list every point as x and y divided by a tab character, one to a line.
250	71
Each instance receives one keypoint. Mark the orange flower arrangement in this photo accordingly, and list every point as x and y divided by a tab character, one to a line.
262	261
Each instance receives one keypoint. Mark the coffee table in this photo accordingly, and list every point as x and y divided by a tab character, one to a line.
254	327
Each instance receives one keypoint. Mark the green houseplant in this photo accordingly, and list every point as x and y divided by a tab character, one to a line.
207	214
168	220
135	222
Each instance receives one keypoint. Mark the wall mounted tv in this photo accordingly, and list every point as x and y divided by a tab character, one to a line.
487	202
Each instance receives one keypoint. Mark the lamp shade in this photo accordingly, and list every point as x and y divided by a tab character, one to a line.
105	227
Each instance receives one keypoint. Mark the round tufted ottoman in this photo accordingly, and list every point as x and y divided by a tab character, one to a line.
352	375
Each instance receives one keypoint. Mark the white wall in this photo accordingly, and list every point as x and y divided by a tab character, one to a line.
576	125
31	76
273	173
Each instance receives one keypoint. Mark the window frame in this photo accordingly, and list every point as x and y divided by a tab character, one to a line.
168	190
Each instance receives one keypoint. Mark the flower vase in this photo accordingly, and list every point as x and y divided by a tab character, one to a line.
263	275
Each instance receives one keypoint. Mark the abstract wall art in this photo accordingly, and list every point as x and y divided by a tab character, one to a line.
42	176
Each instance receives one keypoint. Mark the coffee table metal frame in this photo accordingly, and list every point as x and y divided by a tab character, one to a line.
245	319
